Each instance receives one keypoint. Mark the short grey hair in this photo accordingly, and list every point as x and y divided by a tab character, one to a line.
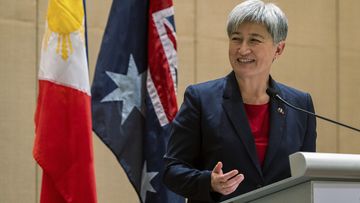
256	11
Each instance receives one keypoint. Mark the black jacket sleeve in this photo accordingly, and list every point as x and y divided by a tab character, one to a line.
183	173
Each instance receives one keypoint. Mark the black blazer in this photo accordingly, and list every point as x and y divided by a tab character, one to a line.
212	126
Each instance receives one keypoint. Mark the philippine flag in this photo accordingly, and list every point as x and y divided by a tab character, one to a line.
63	143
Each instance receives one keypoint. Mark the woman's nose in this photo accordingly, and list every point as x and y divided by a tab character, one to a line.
244	49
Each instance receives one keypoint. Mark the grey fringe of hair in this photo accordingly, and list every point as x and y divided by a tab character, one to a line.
257	11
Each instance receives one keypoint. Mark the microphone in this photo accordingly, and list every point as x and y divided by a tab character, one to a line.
274	94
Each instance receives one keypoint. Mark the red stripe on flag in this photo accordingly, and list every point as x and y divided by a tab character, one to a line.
171	36
159	66
63	143
156	5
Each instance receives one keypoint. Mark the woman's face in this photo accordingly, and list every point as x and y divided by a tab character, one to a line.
252	50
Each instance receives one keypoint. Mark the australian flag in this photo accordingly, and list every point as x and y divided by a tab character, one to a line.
134	91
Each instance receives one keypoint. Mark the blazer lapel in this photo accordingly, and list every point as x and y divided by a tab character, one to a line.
234	108
277	124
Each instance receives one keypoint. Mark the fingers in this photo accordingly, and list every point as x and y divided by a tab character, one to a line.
225	183
229	175
235	181
231	185
218	168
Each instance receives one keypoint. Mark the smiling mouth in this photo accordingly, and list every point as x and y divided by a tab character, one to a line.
245	60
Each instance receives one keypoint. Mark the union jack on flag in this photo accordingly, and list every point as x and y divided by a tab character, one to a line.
134	91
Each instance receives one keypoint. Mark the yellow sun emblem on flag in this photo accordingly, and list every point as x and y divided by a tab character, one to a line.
63	18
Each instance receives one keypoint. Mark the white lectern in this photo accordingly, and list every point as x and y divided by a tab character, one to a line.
315	178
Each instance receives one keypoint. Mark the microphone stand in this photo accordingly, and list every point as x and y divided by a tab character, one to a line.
272	93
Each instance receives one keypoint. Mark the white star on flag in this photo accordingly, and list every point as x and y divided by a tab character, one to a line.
129	89
146	178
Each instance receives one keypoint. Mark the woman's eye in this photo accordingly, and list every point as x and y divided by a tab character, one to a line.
255	40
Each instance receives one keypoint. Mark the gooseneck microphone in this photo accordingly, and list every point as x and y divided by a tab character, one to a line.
274	94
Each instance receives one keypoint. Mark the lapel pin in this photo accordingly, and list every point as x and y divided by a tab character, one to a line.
281	111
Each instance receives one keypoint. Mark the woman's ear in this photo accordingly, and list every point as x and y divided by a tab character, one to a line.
279	48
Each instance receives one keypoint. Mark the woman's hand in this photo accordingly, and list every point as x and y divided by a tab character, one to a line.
225	183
